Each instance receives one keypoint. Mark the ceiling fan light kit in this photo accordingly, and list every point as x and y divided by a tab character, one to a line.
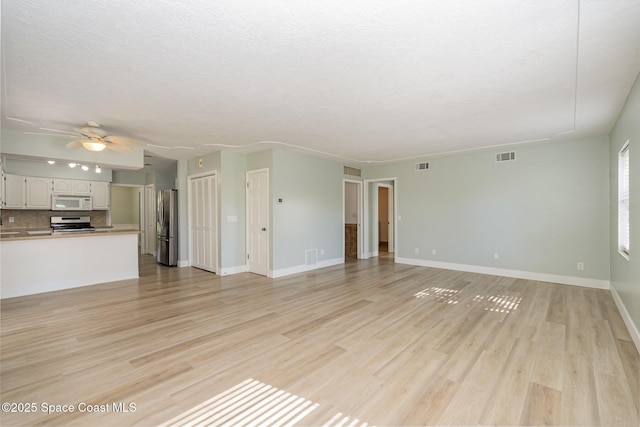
95	139
94	145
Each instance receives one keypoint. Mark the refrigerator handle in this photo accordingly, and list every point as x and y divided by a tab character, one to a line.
160	213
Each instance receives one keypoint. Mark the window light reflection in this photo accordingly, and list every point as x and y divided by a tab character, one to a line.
440	294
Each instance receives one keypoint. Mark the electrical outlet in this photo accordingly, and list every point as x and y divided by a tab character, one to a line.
12	219
496	255
433	251
417	251
321	251
581	266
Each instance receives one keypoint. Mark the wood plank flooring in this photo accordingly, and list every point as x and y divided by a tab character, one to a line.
366	342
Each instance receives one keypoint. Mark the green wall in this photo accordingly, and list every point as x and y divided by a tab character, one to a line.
542	213
231	186
310	216
625	275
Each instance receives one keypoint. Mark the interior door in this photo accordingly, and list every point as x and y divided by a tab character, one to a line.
258	221
202	223
150	219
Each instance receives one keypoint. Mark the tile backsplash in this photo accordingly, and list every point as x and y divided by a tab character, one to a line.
35	219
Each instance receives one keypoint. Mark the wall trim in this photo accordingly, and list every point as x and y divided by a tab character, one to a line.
631	327
302	268
184	263
529	275
234	270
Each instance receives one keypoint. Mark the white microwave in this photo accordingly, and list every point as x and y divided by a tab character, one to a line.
70	203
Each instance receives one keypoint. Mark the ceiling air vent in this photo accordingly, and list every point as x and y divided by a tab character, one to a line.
506	157
352	171
422	166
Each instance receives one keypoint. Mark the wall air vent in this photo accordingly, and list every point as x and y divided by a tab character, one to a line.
311	256
422	166
352	171
506	157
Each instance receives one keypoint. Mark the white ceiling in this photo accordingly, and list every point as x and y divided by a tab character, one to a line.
365	80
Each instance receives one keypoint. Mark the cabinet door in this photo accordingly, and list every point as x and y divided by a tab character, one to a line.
38	193
81	187
63	186
101	192
1	189
13	191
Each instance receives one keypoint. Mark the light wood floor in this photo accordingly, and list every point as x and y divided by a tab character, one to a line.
366	342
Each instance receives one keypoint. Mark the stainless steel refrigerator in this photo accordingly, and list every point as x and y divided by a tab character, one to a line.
167	227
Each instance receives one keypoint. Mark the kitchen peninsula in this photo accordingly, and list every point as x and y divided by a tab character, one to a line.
36	261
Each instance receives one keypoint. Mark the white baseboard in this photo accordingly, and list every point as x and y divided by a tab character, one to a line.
633	329
302	268
528	275
234	270
184	263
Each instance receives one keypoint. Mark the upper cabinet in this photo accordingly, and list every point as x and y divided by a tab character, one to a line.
72	187
37	193
101	195
13	191
26	192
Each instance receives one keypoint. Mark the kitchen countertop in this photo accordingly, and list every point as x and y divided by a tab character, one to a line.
33	234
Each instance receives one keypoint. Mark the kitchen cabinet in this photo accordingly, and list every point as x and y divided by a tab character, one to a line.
1	188
38	193
101	192
72	187
13	191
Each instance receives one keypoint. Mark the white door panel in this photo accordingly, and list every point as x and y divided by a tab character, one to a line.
202	222
258	221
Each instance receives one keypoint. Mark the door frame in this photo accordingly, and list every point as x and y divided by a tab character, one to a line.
393	192
361	252
213	173
268	215
391	235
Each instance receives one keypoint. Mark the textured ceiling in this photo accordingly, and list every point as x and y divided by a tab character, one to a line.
366	81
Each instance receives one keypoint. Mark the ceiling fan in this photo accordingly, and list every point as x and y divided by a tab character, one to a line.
94	138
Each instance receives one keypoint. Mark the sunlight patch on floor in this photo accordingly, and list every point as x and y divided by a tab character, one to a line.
254	403
249	403
441	294
499	303
341	420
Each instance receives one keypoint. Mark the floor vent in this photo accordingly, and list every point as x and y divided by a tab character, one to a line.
352	171
422	166
506	157
311	256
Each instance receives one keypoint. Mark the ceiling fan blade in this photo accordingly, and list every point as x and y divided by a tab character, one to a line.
119	148
77	143
123	140
91	132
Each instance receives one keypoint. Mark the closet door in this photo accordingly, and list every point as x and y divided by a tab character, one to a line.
202	223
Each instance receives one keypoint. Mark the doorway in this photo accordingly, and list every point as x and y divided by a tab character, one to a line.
127	210
258	221
385	214
203	235
380	199
352	201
